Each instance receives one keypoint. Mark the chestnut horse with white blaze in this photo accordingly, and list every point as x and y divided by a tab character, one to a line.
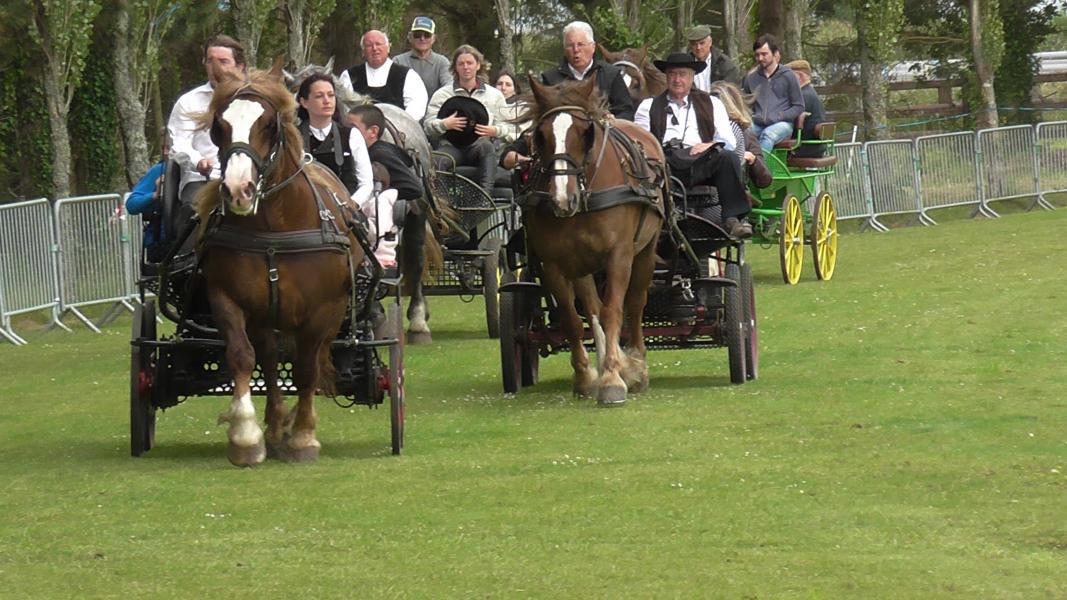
278	251
596	208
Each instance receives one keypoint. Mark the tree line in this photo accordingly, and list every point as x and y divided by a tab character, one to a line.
86	85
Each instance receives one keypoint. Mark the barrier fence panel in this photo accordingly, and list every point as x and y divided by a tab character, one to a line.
1006	159
948	171
1051	159
847	183
893	179
27	262
133	226
93	253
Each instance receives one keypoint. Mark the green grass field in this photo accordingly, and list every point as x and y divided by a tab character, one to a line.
907	438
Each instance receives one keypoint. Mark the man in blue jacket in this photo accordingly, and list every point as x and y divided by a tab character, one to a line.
778	101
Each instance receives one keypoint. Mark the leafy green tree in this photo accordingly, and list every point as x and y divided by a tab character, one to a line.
878	26
63	30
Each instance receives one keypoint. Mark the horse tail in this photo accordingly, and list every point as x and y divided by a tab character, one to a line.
432	252
327	372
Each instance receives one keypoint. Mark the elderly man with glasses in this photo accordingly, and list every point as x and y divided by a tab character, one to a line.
578	64
432	68
384	80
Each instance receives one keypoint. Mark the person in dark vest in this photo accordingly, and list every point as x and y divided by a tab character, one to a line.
384	80
695	130
579	63
370	121
813	106
337	146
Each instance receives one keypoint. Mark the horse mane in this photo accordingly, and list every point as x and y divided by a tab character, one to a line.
269	86
568	93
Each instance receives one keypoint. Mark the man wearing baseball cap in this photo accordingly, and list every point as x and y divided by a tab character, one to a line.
720	67
431	67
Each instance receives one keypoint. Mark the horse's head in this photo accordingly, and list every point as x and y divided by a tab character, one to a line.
633	62
247	120
563	137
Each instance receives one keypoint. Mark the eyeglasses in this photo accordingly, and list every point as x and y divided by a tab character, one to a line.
576	46
421	35
674	117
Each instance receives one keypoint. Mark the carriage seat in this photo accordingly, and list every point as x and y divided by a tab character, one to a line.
811	153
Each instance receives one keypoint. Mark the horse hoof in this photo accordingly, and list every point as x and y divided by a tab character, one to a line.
246	456
276	451
419	337
641	385
301	455
610	397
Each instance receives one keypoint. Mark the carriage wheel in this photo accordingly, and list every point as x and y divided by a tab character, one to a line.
824	236
490	285
396	378
733	327
791	241
510	349
142	371
748	314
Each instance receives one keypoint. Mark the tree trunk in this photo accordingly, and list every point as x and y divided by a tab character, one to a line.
796	12
294	22
57	119
987	110
770	19
128	102
737	40
874	90
684	19
507	34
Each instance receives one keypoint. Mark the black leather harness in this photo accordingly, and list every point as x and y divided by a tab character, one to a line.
649	178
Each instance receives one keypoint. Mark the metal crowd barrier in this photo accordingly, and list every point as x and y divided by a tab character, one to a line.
848	183
946	177
1051	159
1005	159
893	178
28	276
93	254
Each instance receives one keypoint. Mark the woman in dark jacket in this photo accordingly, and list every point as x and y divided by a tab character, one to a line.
337	146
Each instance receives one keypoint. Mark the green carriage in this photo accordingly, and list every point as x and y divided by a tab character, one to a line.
778	215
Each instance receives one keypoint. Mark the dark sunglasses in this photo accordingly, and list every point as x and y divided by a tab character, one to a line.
419	35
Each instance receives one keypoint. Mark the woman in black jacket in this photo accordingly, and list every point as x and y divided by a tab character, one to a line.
337	146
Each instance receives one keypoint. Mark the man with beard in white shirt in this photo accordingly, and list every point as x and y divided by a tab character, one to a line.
191	147
384	80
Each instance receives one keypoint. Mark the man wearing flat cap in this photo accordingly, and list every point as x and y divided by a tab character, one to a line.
719	66
812	106
430	66
695	129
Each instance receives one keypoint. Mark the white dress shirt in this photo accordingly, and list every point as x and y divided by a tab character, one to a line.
415	96
687	129
188	144
358	146
580	75
702	80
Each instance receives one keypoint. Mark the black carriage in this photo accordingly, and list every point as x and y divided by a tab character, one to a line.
702	296
473	257
167	369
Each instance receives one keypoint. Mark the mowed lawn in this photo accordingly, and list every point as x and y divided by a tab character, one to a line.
907	438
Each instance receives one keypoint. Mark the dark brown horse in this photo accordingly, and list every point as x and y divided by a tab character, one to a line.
597	209
643	79
278	253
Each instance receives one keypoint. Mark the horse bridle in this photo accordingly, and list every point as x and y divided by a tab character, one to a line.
547	166
263	168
